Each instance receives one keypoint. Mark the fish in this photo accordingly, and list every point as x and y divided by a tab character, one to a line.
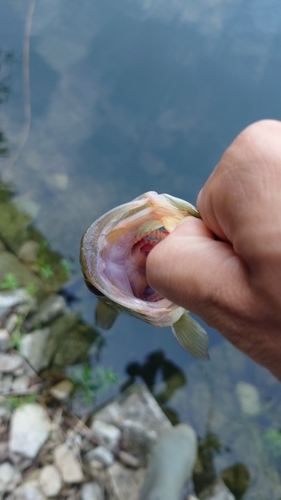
113	255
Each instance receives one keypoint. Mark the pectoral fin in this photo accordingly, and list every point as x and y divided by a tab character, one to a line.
191	336
105	315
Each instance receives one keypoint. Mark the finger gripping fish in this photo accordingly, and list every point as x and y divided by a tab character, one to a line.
113	257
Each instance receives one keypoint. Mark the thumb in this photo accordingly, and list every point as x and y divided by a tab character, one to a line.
201	274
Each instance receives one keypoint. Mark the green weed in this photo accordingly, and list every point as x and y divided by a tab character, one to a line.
10	282
272	439
31	289
92	381
14	402
16	339
46	271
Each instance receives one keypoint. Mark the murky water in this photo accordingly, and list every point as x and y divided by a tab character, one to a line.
102	101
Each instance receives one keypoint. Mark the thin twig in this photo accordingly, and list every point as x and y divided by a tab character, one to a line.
26	81
80	428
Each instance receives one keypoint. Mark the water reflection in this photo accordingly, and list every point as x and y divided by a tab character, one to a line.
6	59
128	97
3	147
162	376
236	477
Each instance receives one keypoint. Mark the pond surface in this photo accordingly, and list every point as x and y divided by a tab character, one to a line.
102	101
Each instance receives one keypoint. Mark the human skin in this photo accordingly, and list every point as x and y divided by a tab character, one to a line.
226	268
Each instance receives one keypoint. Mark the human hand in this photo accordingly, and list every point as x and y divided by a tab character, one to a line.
233	283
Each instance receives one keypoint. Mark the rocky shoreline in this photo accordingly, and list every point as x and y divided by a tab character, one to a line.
47	452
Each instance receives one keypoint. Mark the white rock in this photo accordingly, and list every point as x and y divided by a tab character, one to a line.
4	412
30	428
124	483
11	322
68	464
27	370
28	251
4	449
4	339
21	462
128	459
101	454
249	398
33	347
10	362
49	310
29	491
11	298
61	390
6	383
20	383
19	371
95	466
91	491
9	477
170	464
50	480
107	435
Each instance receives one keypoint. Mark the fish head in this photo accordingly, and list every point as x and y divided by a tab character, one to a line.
114	251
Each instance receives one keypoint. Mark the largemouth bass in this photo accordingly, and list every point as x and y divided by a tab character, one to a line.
113	261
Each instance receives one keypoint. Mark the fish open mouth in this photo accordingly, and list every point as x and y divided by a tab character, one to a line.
135	264
114	251
115	248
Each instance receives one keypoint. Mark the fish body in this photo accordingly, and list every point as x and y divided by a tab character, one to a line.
113	261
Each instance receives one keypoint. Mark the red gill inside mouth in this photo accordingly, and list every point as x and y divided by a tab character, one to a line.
136	264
